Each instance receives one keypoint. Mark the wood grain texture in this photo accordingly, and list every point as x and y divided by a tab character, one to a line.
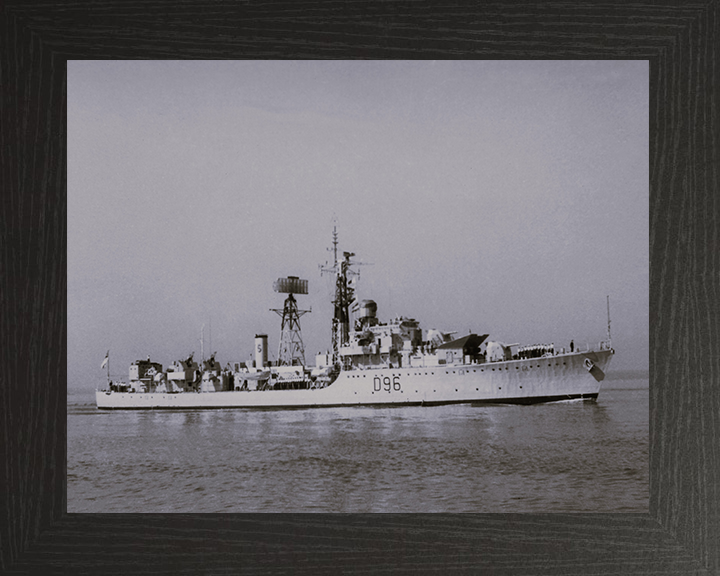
680	534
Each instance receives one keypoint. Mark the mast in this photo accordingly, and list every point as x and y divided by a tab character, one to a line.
335	245
291	350
344	297
334	270
608	317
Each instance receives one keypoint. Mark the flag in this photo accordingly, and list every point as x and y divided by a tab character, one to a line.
107	356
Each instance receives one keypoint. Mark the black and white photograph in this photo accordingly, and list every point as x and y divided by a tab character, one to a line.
358	286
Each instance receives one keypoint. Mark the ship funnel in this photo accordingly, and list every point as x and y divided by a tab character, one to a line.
261	355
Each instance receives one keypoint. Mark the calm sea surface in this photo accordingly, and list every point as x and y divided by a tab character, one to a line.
560	457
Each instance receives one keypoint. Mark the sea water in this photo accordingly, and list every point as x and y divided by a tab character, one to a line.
574	456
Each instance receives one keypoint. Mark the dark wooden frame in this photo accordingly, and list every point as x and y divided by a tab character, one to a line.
679	535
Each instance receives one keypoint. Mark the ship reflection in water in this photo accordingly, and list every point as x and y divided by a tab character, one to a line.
558	457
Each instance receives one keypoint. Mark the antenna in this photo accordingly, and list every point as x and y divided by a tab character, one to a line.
334	270
327	268
291	350
608	315
335	243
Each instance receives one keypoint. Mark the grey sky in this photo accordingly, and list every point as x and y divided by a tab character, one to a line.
506	198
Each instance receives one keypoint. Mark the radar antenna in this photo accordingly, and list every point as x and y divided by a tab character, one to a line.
291	351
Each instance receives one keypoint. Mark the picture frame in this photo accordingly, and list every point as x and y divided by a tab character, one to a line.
679	534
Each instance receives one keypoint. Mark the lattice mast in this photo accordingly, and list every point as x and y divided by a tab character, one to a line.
333	270
344	297
291	351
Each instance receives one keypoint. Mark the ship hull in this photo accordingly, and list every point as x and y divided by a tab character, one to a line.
554	378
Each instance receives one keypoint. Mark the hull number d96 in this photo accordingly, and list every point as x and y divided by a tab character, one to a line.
385	383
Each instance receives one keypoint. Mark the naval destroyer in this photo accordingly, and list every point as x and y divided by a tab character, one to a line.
372	363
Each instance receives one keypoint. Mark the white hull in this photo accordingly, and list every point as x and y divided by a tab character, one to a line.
546	379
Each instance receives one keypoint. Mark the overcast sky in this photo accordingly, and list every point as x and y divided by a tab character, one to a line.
507	198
